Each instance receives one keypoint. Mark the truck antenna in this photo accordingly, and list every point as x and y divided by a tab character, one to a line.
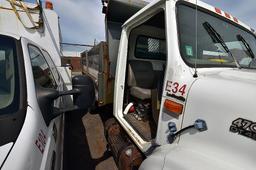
195	71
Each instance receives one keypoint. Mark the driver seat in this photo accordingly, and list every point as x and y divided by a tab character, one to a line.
141	79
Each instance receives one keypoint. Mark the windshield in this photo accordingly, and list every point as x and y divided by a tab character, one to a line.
9	85
211	51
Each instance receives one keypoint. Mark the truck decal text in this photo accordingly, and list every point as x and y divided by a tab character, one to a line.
244	127
41	141
175	88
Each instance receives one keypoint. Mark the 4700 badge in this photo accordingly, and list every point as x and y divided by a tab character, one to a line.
244	127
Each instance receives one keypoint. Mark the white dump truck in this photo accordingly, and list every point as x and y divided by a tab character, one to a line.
184	86
33	93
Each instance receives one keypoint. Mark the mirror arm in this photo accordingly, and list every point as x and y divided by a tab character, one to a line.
58	94
60	111
69	92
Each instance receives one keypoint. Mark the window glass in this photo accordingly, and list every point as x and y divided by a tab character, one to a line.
52	65
13	98
41	70
208	51
9	84
150	48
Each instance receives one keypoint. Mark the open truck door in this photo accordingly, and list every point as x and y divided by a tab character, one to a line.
179	116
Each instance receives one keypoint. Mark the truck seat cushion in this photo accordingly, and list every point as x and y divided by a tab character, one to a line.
141	93
141	74
131	77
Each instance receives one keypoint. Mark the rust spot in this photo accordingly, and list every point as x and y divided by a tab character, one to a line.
131	161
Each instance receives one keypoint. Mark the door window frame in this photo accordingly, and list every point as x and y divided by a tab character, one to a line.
50	70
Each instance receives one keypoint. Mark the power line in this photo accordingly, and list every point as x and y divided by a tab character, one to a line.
74	44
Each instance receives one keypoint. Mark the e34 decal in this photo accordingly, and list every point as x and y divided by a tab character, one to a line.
244	127
175	88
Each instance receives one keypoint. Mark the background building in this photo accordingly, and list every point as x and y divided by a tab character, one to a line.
71	54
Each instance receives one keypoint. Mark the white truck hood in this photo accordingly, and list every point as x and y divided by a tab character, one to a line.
182	158
231	74
226	100
4	150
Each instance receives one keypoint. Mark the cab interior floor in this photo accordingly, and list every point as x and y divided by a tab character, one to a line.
145	127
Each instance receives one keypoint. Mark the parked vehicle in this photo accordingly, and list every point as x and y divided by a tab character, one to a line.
184	87
33	93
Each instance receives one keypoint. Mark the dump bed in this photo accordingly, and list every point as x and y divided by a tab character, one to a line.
100	62
117	12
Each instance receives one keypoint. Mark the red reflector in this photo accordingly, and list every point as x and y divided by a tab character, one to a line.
48	5
235	19
173	107
218	10
227	15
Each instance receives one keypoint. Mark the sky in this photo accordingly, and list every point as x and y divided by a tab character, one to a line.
82	20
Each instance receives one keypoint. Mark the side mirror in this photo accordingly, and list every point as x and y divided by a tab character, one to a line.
83	98
86	98
45	98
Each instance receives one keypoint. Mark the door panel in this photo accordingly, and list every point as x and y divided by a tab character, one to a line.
46	75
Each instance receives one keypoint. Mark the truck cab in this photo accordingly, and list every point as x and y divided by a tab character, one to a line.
33	93
184	86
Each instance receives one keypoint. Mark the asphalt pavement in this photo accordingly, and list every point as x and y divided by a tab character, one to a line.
85	146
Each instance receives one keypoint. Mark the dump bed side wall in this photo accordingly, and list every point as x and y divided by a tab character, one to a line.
96	65
118	11
100	62
113	33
